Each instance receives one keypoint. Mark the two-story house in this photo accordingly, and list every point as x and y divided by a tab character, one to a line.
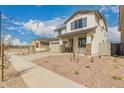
121	27
83	32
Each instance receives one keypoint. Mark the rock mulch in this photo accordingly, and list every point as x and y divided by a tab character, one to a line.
12	79
96	72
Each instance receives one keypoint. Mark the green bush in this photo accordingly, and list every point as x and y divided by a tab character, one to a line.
76	72
115	55
116	77
87	66
91	59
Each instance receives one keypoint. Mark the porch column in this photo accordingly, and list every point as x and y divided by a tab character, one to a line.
61	45
75	44
88	45
61	42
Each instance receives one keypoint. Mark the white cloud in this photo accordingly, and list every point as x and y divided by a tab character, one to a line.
44	29
17	22
17	42
114	9
3	16
11	28
113	35
8	39
106	15
103	8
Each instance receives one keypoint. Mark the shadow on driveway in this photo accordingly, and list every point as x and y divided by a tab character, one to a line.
16	74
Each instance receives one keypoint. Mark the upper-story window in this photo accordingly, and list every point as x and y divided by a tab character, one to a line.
80	23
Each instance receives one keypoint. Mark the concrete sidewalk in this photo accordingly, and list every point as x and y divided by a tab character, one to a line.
37	77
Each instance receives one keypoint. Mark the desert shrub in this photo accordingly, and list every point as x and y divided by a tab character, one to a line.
55	67
91	59
114	59
87	66
76	72
5	66
116	66
99	56
49	56
116	77
115	55
45	61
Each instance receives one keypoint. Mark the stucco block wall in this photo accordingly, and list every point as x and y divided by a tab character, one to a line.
56	48
104	49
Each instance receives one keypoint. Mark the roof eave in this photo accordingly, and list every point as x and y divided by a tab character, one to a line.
77	32
56	30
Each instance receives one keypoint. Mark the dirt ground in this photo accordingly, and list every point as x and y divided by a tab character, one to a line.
12	79
90	72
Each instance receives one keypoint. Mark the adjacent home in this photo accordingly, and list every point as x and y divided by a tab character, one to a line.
83	32
40	45
121	27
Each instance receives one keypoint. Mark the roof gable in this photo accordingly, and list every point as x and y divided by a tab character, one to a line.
96	13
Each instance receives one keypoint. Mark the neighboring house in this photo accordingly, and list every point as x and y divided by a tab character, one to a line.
84	32
55	45
121	27
40	45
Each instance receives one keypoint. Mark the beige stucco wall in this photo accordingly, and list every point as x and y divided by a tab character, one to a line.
121	23
105	49
99	36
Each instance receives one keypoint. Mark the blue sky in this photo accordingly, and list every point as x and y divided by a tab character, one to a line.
25	23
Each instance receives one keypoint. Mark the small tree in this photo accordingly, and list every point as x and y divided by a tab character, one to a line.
73	56
5	58
5	43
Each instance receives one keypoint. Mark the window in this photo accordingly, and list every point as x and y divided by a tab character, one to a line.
72	25
82	42
84	22
44	43
37	45
79	23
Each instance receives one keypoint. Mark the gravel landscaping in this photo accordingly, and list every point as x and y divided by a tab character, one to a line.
12	79
90	72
